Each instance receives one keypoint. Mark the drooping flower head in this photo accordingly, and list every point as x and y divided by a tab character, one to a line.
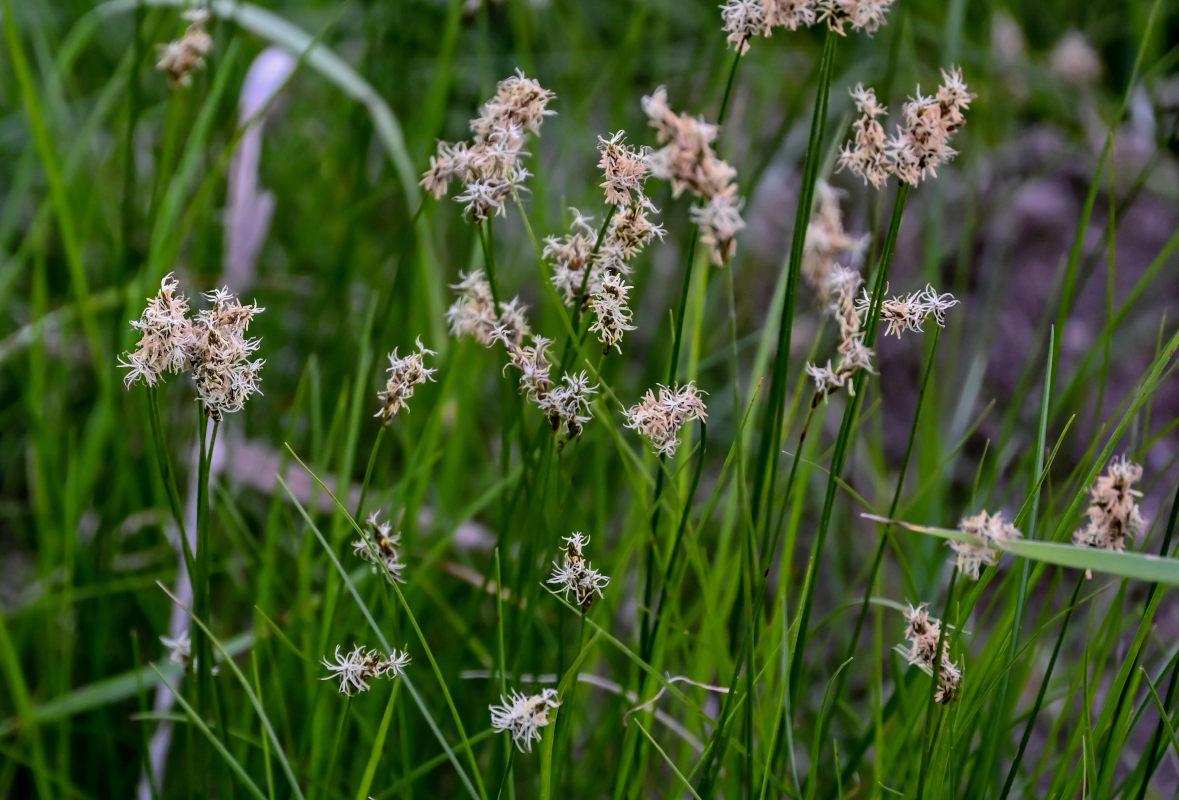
923	633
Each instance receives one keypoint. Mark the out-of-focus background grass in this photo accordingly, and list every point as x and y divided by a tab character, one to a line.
109	179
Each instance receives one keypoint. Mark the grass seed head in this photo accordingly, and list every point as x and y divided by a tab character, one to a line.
523	716
382	547
1114	516
360	665
404	373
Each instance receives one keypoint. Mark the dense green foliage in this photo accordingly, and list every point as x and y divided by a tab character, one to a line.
751	639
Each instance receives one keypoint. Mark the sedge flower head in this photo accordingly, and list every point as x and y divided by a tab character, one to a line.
611	311
659	419
180	57
473	313
490	165
360	665
165	337
988	530
1114	516
687	160
404	374
923	633
574	574
224	374
624	168
179	648
382	547
523	716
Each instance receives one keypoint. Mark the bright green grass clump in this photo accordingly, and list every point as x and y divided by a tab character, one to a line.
697	419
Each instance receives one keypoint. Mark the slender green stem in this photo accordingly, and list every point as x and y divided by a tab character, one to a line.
164	464
1043	690
843	443
771	441
489	259
368	472
885	534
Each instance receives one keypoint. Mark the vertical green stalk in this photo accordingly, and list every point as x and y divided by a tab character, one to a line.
771	440
164	464
200	579
843	442
885	532
1035	710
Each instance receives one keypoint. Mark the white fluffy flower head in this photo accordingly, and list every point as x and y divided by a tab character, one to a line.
382	548
523	716
360	665
574	574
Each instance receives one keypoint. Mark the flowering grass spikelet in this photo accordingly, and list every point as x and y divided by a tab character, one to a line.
909	312
826	239
223	372
180	57
166	336
688	162
473	313
574	575
404	373
923	633
1114	516
987	529
382	547
866	155
179	648
489	166
612	313
920	144
625	169
523	716
659	419
360	665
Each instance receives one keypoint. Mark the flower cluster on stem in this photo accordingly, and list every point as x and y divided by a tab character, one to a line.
357	667
403	375
923	633
523	716
490	166
921	142
213	346
1114	516
688	161
659	419
745	19
574	574
180	57
382	547
987	529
